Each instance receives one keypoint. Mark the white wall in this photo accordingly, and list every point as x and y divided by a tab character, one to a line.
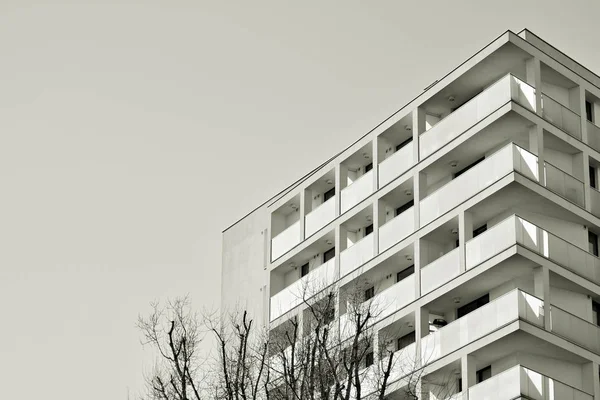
559	159
558	93
525	283
575	303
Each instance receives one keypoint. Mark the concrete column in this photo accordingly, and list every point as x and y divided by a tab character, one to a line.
577	103
305	207
541	288
421	330
591	382
468	374
536	146
378	220
378	156
534	78
419	260
341	179
418	127
420	191
465	233
422	389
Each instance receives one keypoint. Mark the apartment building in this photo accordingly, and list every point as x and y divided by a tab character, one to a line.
474	211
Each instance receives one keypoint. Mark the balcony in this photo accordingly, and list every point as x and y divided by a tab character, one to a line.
563	184
396	229
506	160
593	132
504	90
359	190
440	271
356	255
320	216
575	329
286	240
512	306
595	201
302	289
399	162
561	116
518	382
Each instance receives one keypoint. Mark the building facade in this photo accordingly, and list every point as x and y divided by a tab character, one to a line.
474	215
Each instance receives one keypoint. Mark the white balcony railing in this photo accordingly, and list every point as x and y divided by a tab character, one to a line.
302	289
563	184
440	271
520	381
396	164
507	308
396	229
320	216
561	116
509	158
593	133
356	255
286	240
359	190
575	329
506	89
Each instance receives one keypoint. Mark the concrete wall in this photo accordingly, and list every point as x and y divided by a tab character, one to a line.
558	93
575	303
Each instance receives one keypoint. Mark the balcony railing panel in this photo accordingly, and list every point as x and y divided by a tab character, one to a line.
563	184
397	229
304	288
593	133
356	255
506	385
320	216
561	116
440	271
394	166
506	309
575	329
286	240
490	243
359	190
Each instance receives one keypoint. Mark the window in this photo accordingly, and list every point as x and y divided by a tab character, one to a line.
483	374
472	306
328	255
368	229
589	111
404	207
593	177
405	273
480	230
369	293
368	359
328	194
596	312
401	145
304	270
593	243
406	340
368	167
468	167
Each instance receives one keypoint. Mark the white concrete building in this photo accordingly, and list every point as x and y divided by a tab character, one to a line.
477	204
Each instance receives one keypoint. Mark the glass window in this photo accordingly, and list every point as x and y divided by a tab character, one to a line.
304	270
484	373
472	306
328	194
368	167
589	111
405	273
596	312
369	293
593	243
329	254
405	207
593	177
368	229
369	359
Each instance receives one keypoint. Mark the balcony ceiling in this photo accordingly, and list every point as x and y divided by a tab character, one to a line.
358	160
555	78
320	185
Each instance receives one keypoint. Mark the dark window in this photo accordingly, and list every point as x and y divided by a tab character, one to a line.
593	177
368	167
483	374
329	315
369	293
406	340
589	111
593	243
472	306
329	254
328	194
368	229
404	207
596	312
368	359
401	145
480	230
405	273
468	167
304	270
459	384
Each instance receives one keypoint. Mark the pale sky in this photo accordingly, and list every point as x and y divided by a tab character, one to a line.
133	133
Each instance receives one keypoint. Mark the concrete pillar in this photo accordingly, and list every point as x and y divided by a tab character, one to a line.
422	389
378	156
468	374
541	288
419	260
341	180
378	220
587	189
421	330
305	208
577	103
534	78
465	233
590	379
536	146
420	191
418	127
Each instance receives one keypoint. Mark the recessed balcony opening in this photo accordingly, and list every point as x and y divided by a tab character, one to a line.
396	152
439	256
285	227
320	203
357	241
396	216
282	335
384	289
592	116
356	179
506	60
444	383
560	101
303	276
